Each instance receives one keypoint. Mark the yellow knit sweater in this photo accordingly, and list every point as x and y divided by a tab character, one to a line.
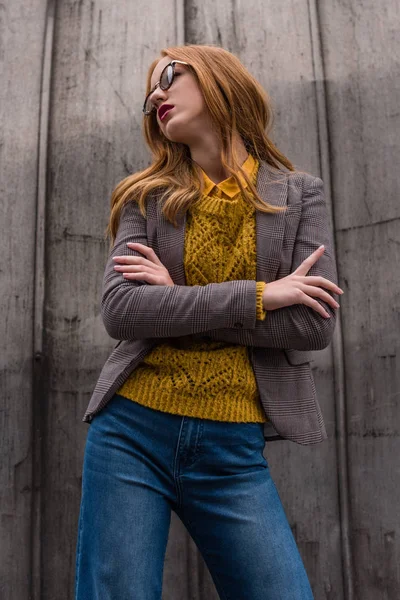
207	379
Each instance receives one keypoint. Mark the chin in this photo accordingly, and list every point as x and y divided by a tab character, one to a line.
174	135
180	131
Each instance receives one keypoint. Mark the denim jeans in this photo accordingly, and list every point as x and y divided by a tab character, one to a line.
140	463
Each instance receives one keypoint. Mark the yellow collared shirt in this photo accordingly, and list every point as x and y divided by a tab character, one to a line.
229	187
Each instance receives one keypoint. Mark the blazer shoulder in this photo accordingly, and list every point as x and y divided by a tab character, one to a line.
299	179
300	182
304	179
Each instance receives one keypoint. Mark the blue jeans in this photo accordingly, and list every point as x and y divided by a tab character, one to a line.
139	464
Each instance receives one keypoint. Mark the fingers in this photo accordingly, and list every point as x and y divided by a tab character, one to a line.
146	250
152	274
309	261
135	269
151	278
135	260
314	304
151	256
311	290
321	281
149	269
142	272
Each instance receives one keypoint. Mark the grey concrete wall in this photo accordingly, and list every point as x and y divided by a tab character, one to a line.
72	84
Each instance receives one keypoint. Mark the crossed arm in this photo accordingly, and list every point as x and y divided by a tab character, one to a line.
221	311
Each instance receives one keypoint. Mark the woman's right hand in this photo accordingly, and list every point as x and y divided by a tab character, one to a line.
297	288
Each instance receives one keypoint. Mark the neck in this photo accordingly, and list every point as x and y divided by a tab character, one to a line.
206	152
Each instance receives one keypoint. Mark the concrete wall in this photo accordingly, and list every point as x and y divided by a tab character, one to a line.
73	77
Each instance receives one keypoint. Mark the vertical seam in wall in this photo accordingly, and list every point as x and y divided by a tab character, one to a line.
38	304
179	22
337	342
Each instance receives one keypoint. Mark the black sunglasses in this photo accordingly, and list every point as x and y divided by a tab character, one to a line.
165	82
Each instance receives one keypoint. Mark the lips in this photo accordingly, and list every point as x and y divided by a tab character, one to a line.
163	110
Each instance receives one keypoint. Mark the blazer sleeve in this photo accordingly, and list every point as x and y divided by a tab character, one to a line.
298	327
137	310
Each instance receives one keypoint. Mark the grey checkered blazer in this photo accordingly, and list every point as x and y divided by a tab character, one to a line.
140	315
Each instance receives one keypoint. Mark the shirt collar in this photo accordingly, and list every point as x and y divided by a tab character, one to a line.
229	186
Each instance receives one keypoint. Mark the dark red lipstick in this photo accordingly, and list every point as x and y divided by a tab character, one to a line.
162	111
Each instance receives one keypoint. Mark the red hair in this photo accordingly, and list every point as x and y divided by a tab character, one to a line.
237	104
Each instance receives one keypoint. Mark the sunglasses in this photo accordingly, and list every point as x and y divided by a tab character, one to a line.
165	82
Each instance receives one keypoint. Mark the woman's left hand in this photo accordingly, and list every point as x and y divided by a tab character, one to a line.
149	269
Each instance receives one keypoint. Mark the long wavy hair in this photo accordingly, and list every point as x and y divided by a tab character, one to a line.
237	104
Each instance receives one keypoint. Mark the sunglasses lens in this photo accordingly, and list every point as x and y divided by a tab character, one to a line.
167	77
148	107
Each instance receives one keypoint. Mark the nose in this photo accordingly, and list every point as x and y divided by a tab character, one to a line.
158	96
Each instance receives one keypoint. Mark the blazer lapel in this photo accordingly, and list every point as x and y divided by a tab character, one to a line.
272	185
171	246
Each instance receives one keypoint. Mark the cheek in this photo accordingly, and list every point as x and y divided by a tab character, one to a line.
192	116
195	100
201	106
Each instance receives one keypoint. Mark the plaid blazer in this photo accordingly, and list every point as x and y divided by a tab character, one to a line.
140	315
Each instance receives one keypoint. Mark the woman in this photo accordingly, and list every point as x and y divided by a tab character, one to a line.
221	278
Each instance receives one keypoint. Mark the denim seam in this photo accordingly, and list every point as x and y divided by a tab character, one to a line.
197	445
175	466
